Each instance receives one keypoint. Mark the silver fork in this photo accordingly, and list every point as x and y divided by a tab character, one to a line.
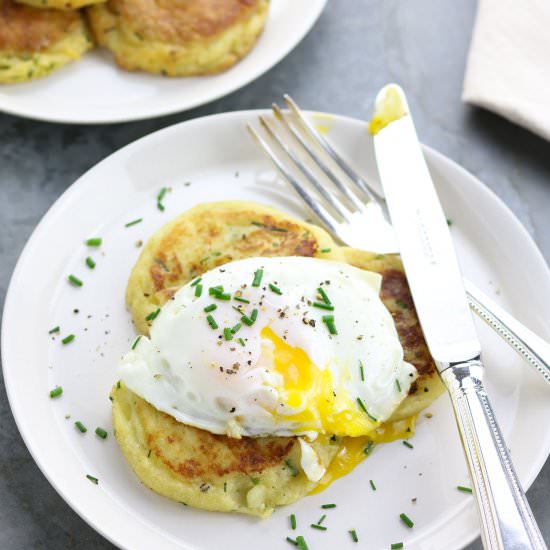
355	213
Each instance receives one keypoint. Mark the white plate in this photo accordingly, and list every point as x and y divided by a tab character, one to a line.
216	155
94	90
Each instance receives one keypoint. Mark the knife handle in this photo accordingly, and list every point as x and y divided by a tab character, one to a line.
506	520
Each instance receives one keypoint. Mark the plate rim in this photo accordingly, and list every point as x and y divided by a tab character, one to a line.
318	7
432	156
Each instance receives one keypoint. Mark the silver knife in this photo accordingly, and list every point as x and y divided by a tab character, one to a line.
436	285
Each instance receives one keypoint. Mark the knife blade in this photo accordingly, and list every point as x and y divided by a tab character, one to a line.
439	297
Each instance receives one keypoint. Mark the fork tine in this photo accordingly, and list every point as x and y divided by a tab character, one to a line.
317	209
303	168
371	193
326	170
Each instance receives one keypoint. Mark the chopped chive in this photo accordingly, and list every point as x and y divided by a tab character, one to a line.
56	392
247	320
464	489
94	241
361	372
241	341
55	329
118	385
222	296
324	296
322	519
325	250
196	281
353	535
320	527
134	222
406	520
152	315
101	433
136	342
258	274
301	543
90	262
292	541
326	506
81	428
254	315
373	486
292	521
322	305
364	409
396	546
329	322
369	448
407	444
68	339
160	196
293	470
236	328
238	309
198	291
449	222
74	280
215	290
227	334
92	479
212	322
211	307
397	383
275	289
225	486
241	299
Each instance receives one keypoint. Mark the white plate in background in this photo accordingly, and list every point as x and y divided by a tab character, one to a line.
213	158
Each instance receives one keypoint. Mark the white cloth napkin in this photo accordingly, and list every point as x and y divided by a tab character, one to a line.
508	68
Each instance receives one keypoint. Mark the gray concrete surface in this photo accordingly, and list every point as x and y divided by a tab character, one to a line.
356	46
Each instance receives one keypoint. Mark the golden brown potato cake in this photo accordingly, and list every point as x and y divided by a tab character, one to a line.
34	42
178	37
59	4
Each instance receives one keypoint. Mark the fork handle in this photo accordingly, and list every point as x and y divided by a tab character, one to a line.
507	522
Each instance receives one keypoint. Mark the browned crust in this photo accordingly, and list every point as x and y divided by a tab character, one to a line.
24	29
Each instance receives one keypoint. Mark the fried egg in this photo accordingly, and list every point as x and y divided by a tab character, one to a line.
278	346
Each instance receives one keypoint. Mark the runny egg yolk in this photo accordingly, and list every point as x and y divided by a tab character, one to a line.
353	452
323	405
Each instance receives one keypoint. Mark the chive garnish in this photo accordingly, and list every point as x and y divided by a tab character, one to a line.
326	506
152	315
398	385
322	305
101	433
68	339
373	486
329	322
55	329
396	546
212	322
406	520
198	291
301	543
90	262
321	519
81	428
134	222
275	289
241	299
222	296
324	296
407	444
96	241
225	486
325	250
369	448
92	479
56	392
196	281
160	196
292	521
136	342
361	372
320	527
258	274
215	290
364	409
227	333
292	541
254	315
293	470
75	280
241	341
464	489
210	308
353	535
236	328
247	320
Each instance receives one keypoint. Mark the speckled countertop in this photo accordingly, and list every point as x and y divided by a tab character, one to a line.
356	47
